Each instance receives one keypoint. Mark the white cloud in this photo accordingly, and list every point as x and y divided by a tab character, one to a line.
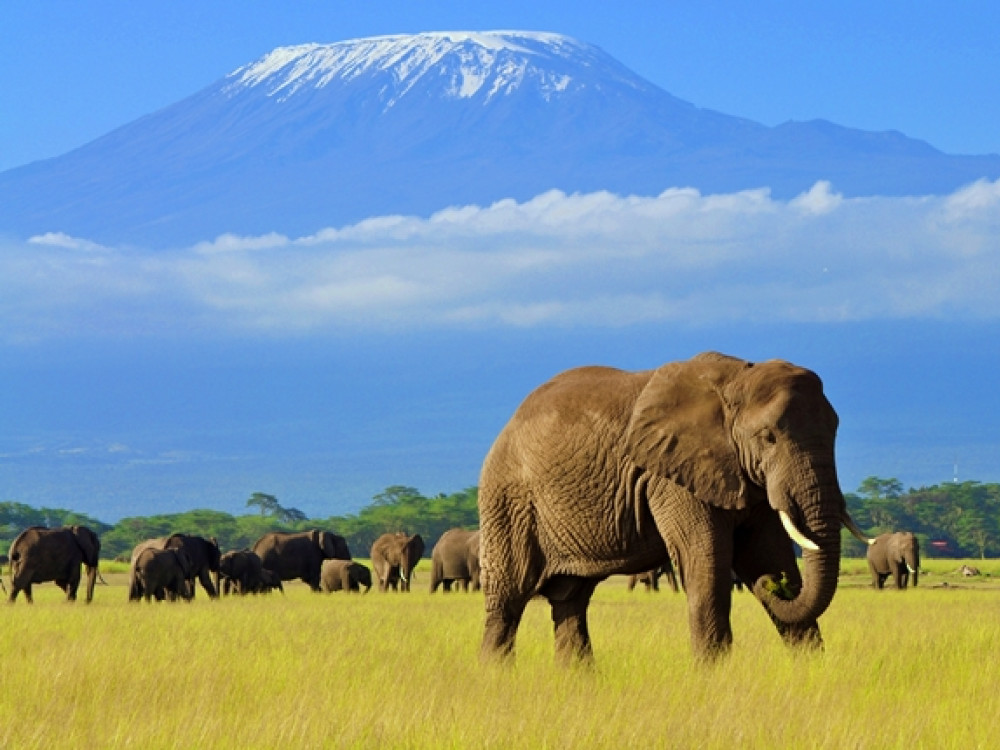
61	239
594	259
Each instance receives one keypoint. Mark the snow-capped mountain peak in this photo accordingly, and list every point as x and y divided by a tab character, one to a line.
464	63
324	135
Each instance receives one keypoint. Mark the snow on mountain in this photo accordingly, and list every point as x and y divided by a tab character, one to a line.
320	135
494	62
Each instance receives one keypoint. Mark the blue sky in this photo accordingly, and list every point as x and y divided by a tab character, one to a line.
324	368
70	72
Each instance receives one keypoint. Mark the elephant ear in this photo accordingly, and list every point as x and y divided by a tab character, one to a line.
417	546
88	543
680	429
214	553
326	544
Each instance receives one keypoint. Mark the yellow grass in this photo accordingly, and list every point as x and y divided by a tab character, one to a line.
900	669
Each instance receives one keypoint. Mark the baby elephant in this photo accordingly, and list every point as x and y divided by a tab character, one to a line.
242	572
162	573
344	575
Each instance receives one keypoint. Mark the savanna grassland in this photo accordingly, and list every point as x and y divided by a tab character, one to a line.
918	668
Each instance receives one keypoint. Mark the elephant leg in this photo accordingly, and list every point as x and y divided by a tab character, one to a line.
16	589
901	577
703	539
72	586
502	621
569	597
709	603
205	577
763	548
505	602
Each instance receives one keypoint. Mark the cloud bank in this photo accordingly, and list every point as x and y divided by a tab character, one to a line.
596	259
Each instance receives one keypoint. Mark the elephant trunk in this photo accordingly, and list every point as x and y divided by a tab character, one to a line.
817	510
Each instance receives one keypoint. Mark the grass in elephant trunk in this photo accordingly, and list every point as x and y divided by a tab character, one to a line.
899	669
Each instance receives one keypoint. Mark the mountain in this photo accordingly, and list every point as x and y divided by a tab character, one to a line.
320	135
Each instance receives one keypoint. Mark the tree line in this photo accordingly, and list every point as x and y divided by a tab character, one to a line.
954	519
396	508
960	519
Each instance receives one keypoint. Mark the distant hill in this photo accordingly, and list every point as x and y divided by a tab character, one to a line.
316	135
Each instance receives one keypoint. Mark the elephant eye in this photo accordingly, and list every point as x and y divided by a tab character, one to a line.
766	435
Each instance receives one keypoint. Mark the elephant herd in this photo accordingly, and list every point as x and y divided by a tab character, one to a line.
168	568
722	466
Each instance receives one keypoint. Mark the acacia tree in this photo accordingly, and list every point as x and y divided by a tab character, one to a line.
267	504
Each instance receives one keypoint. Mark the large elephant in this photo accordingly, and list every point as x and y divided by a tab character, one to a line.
202	553
394	556
345	575
300	554
716	463
896	554
39	554
455	559
162	574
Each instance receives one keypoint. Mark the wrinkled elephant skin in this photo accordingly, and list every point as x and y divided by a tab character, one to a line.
711	462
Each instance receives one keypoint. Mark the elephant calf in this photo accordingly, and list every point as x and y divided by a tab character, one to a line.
162	573
242	572
345	575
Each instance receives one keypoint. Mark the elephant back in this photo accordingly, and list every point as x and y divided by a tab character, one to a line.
203	553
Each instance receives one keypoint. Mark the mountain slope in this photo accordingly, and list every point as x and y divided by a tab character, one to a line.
321	135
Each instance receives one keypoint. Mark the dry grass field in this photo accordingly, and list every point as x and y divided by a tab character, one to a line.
900	669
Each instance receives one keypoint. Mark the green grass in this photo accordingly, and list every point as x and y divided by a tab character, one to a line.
900	669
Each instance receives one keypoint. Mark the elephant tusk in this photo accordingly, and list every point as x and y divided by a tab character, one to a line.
797	536
909	568
853	528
